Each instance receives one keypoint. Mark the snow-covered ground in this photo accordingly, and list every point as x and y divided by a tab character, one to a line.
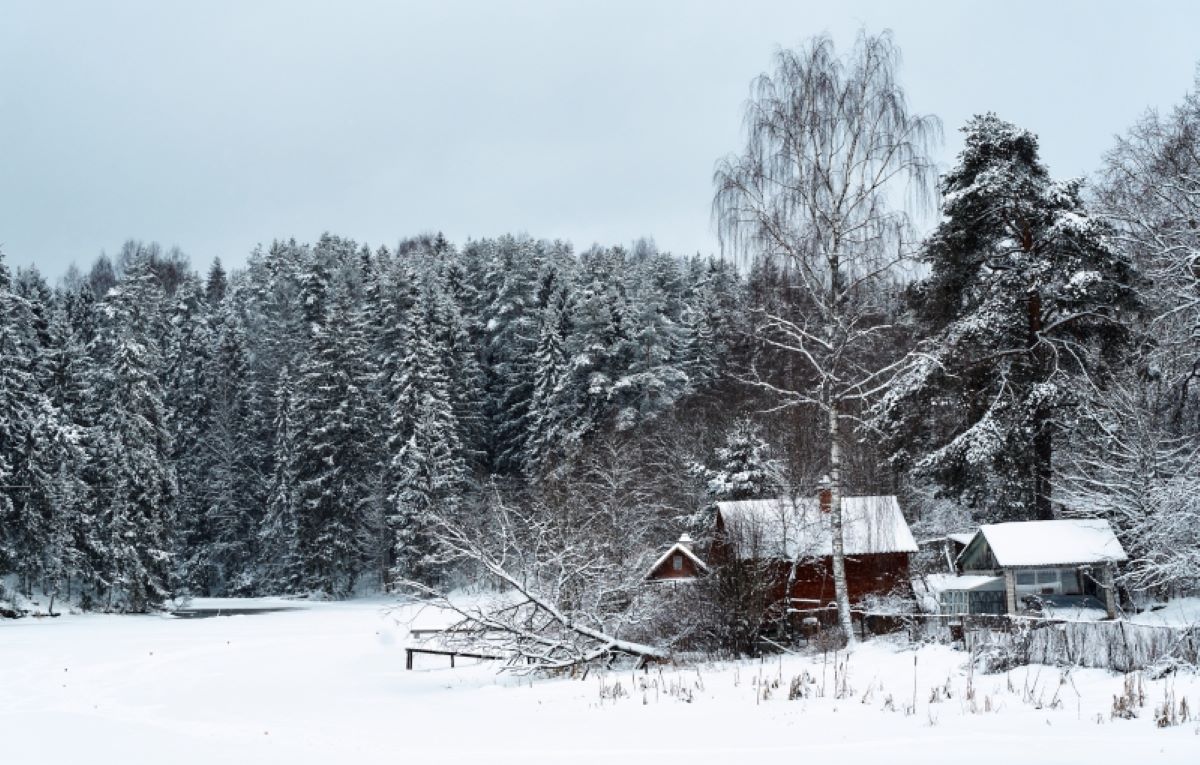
1180	612
326	683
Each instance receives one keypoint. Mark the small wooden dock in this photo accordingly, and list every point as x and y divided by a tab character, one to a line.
207	613
410	652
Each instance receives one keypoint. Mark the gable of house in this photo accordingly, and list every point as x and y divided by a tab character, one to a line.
1033	544
679	562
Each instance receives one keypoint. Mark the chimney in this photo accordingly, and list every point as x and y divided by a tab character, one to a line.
825	494
685	541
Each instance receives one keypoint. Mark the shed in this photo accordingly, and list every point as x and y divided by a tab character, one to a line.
941	552
678	564
1060	562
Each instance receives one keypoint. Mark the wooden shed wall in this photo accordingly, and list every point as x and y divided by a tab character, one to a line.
865	575
667	570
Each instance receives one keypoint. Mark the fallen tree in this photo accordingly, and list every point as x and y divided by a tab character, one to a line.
566	579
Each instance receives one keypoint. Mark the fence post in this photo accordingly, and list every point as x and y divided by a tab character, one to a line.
1110	597
1010	591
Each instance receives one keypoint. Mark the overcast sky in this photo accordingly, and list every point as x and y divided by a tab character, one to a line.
218	125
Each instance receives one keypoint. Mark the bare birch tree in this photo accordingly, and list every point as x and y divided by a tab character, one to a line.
831	146
1135	454
1150	190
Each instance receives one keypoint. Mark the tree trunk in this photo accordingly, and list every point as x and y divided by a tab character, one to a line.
1043	445
1043	440
840	590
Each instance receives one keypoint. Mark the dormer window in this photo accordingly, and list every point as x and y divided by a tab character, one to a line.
677	562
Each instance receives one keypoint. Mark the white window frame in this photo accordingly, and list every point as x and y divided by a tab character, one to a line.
1048	579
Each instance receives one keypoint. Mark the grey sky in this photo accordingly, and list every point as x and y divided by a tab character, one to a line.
219	125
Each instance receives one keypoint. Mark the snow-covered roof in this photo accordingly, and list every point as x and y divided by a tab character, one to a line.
1052	543
962	539
684	545
784	528
944	582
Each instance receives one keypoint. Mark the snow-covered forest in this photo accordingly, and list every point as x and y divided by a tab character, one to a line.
319	421
284	428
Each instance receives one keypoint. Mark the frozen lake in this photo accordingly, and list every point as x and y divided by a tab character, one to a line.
326	683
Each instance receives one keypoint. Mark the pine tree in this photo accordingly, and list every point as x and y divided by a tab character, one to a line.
1026	300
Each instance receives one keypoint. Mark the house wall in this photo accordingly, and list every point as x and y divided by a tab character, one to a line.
977	557
865	575
667	570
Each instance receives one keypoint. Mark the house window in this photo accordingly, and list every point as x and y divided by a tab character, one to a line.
955	602
1070	581
677	563
1048	581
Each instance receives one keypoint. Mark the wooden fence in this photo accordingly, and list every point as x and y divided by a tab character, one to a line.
1013	640
1115	645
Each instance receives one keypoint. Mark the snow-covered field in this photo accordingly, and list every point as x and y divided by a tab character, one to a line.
326	684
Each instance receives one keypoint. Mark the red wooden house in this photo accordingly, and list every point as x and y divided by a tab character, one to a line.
792	540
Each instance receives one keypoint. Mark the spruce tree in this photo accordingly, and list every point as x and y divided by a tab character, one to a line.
21	530
282	568
746	467
551	408
134	480
509	337
427	465
337	432
655	376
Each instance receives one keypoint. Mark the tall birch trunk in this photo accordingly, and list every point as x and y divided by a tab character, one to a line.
840	590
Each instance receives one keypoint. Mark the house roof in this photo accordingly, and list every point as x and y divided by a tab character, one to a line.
682	546
950	582
1051	543
789	529
958	538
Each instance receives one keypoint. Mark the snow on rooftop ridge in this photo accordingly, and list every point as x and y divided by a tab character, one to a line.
786	528
679	547
943	582
1050	543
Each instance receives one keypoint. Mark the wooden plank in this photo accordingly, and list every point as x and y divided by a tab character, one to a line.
1110	591
410	652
